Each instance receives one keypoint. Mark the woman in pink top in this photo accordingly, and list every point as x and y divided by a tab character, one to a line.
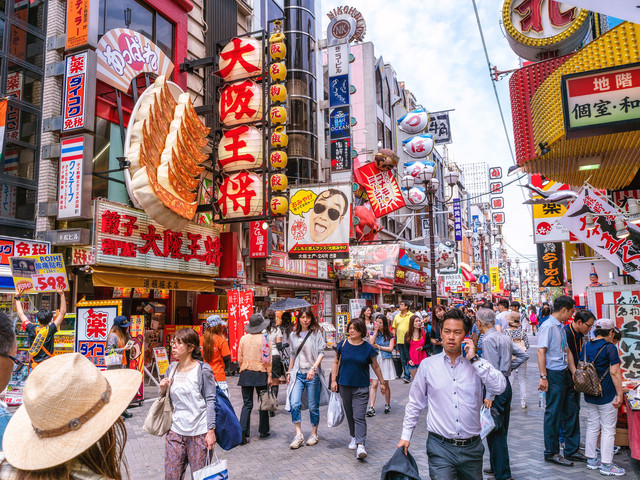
415	340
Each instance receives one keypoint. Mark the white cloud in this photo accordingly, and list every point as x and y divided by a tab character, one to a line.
435	48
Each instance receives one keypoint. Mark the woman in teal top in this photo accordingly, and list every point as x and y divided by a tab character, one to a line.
384	342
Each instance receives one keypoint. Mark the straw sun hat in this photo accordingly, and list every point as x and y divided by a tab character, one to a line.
68	405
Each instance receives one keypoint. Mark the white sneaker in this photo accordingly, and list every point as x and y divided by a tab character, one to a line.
352	444
361	452
297	442
523	403
313	439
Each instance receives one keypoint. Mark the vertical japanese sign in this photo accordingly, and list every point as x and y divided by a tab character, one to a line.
78	110
546	225
477	248
550	265
82	24
627	319
494	275
94	320
457	215
3	121
75	180
340	110
233	304
258	240
623	252
14	89
136	353
440	128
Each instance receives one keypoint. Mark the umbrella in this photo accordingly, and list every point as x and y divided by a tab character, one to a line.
289	304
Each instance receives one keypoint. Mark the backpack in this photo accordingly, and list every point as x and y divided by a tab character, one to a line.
586	379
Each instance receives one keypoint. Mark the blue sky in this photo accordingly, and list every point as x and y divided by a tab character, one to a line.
435	48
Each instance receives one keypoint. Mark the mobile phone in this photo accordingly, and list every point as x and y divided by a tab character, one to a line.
464	353
129	343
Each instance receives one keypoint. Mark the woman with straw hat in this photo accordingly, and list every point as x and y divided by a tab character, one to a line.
69	424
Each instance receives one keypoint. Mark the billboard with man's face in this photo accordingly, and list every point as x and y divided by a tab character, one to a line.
319	220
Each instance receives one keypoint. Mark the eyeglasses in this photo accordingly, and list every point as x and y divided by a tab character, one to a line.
175	342
17	363
321	207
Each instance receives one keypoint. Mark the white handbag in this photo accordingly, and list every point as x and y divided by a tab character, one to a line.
212	471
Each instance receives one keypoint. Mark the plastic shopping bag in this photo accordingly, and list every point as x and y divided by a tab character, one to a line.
486	422
335	411
213	471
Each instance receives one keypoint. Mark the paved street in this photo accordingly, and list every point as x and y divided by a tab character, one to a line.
330	459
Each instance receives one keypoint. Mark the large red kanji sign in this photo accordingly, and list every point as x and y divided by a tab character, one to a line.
382	189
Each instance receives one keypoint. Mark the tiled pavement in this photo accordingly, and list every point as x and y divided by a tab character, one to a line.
330	459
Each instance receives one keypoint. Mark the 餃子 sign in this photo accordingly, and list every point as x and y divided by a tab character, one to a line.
319	221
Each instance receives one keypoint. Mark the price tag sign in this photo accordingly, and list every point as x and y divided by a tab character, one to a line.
39	273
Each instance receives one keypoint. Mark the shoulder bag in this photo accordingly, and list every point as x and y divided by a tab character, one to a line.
160	416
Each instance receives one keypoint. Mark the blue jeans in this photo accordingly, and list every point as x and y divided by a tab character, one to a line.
561	406
497	438
313	396
403	349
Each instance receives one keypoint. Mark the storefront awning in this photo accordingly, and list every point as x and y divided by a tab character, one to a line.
412	291
377	286
7	285
299	283
122	277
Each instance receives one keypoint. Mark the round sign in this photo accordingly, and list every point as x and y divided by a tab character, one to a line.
484	279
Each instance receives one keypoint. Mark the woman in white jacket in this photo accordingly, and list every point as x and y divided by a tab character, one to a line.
305	374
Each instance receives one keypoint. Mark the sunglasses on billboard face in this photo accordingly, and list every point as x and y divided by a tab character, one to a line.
321	207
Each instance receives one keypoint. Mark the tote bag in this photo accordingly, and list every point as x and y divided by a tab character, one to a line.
213	471
160	416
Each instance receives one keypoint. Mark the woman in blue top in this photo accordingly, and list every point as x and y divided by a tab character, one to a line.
603	411
351	369
382	340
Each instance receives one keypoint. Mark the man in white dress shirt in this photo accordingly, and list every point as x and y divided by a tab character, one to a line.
450	385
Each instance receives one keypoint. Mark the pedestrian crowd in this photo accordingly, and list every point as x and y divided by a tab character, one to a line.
461	362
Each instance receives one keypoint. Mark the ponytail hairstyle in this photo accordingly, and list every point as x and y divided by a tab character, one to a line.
189	337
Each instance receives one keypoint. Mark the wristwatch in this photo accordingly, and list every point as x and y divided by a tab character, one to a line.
474	359
543	377
314	368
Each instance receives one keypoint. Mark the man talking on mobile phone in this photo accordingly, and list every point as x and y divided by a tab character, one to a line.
451	386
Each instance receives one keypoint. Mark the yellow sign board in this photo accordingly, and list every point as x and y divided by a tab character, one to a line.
162	359
494	276
39	273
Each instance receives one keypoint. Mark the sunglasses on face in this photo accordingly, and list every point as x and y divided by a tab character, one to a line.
17	363
334	214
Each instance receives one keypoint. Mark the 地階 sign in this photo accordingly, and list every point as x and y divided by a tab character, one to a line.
603	101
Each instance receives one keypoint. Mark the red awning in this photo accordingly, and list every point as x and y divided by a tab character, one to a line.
377	286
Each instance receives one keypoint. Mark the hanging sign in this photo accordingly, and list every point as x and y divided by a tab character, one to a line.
546	227
440	128
94	319
39	273
240	304
498	217
457	215
319	222
3	120
414	122
340	154
124	54
495	173
550	265
136	352
494	273
382	189
78	105
75	185
240	58
496	187
82	24
497	203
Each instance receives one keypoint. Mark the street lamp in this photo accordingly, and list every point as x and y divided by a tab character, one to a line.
431	187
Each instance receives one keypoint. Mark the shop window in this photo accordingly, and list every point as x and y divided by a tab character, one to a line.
378	88
107	148
116	14
17	202
18	161
2	5
32	12
24	84
26	46
387	138
2	23
380	136
387	100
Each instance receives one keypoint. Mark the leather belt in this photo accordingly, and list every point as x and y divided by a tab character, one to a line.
458	442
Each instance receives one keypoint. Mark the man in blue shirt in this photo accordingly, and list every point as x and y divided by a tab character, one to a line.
556	365
8	352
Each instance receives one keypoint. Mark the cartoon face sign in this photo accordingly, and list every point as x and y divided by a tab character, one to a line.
328	211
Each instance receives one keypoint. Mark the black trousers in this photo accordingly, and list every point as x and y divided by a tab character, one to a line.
497	438
245	416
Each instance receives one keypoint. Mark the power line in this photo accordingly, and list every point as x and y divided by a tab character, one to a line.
495	91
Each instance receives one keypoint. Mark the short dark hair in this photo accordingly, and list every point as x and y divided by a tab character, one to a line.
331	193
600	332
7	334
359	325
617	335
515	304
488	304
563	301
456	314
583	315
44	316
504	303
406	303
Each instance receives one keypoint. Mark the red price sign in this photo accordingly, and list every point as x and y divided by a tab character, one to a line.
49	282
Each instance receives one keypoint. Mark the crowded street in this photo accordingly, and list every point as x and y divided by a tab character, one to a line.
303	239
